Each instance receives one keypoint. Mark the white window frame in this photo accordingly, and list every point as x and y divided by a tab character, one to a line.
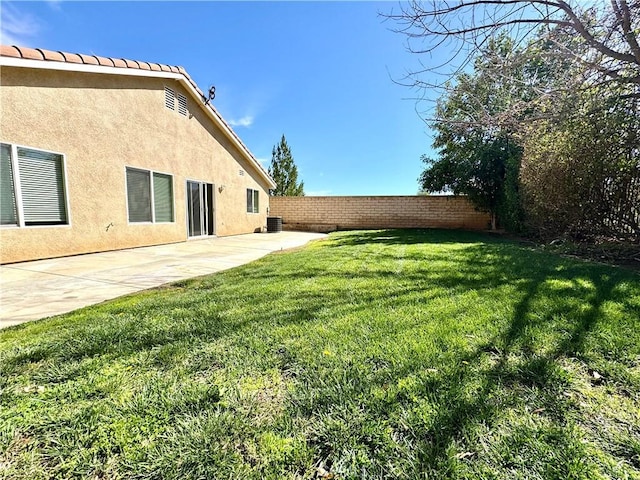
253	206
17	188
151	195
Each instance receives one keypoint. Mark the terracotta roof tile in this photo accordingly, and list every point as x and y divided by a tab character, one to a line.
165	68
72	57
155	67
174	69
118	62
131	63
88	59
30	53
144	66
8	51
104	61
51	55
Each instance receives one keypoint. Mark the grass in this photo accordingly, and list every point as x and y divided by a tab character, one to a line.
384	354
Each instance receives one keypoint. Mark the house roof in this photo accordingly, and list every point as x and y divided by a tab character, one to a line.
56	60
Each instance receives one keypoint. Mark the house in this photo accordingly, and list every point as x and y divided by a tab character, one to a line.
103	154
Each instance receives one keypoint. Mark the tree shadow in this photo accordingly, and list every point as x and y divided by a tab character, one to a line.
408	237
554	308
530	371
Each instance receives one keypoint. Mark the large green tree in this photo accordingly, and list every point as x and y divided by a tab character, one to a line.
284	171
481	168
478	153
539	141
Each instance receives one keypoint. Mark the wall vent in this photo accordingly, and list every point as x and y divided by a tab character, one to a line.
182	104
241	172
170	98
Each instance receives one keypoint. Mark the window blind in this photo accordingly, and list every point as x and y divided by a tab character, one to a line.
252	200
249	200
255	201
139	195
42	184
163	197
8	215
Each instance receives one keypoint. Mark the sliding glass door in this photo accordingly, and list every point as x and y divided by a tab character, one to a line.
200	217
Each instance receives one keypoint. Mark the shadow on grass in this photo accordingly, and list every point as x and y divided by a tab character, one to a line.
518	364
550	312
194	312
410	237
523	357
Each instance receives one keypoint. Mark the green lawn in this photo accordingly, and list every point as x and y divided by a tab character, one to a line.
386	354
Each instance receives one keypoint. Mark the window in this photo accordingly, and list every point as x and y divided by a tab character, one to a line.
8	213
32	187
252	201
139	195
163	197
149	196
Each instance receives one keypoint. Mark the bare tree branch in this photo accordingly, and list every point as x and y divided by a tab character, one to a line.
469	22
593	44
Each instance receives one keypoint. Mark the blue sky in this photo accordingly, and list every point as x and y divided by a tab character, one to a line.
319	73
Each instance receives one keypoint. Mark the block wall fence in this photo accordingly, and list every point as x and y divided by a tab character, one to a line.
325	214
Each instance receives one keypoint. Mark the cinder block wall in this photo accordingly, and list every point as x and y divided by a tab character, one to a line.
336	213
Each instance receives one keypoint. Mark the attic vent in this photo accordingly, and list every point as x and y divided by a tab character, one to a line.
182	104
169	98
241	173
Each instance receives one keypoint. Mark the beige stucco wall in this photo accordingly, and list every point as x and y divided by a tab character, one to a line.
102	123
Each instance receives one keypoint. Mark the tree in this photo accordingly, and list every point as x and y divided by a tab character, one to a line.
599	37
474	166
478	151
580	176
543	129
560	166
284	172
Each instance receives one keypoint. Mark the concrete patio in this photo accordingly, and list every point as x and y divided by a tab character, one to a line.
42	288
